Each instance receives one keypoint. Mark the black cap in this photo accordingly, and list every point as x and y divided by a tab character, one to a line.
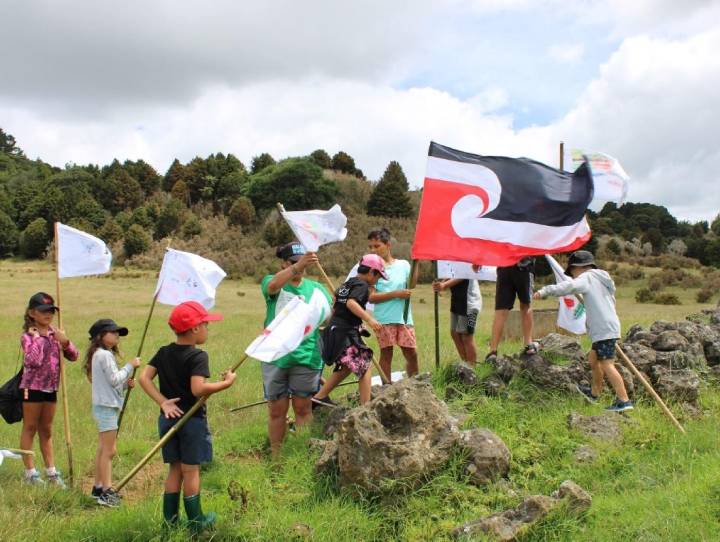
42	302
292	251
580	258
104	325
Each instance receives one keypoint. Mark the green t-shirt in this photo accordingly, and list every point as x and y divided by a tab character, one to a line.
308	353
392	311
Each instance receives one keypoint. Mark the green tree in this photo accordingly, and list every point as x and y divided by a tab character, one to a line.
715	225
242	212
176	172
144	174
261	162
169	219
34	239
110	231
321	158
298	183
9	145
191	227
390	195
137	240
228	189
9	235
181	192
342	161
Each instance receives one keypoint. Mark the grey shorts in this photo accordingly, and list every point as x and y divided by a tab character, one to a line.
106	418
299	381
460	323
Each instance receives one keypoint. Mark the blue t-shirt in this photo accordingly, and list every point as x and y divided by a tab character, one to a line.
391	311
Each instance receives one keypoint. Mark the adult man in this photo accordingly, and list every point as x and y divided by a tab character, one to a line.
296	374
514	280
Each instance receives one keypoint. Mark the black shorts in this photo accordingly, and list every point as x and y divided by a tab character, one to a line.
37	396
605	349
191	445
512	281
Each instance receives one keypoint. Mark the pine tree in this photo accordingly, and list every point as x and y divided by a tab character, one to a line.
261	162
390	195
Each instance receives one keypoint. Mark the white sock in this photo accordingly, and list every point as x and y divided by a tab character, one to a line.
30	472
51	471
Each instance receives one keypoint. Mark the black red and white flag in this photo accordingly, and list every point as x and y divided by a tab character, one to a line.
493	210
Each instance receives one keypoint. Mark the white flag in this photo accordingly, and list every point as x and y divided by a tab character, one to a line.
463	270
9	454
316	228
571	313
610	181
185	276
80	253
289	328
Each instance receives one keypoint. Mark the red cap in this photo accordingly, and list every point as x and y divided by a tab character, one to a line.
190	314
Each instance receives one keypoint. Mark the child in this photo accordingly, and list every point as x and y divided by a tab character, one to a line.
389	298
465	306
603	324
182	369
108	385
41	344
342	344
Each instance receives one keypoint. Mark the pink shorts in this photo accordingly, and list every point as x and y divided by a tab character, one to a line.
397	334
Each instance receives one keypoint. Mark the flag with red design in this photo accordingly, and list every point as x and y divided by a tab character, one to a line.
493	210
571	312
288	329
316	228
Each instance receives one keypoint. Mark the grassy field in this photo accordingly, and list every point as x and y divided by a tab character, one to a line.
657	485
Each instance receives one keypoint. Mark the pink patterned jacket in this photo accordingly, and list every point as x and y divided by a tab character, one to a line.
42	361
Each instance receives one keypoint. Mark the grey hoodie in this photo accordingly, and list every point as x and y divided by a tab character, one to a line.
598	290
108	382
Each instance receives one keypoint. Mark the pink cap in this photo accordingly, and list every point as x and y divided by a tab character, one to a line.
373	261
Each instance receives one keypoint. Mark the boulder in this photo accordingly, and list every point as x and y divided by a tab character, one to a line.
605	427
563	346
668	340
547	375
585	454
677	359
636	334
463	373
327	462
677	385
576	498
506	367
333	418
711	351
405	433
494	386
643	357
488	457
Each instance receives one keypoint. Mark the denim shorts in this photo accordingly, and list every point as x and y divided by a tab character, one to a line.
605	349
463	324
191	445
298	381
106	417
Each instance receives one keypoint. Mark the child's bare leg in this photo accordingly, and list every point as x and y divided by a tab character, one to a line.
174	479
526	316
364	385
45	433
98	466
277	423
386	356
108	441
302	407
190	479
31	421
598	380
613	376
331	382
470	350
411	361
459	345
499	320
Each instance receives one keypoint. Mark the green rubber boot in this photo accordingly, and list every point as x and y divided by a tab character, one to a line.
171	508
197	521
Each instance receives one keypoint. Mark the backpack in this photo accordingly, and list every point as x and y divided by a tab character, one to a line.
11	408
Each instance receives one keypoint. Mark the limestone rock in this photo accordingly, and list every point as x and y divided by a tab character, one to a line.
562	345
711	351
463	373
643	357
578	500
506	367
405	433
494	386
327	462
585	454
605	427
677	385
489	457
333	418
547	375
670	340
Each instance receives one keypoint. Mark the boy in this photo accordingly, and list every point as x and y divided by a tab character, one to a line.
182	369
603	324
465	306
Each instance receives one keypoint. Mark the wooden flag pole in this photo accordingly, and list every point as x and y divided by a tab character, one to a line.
437	319
258	403
171	432
412	282
63	379
562	156
18	451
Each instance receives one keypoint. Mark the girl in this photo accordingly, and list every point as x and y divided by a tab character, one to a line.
342	344
389	297
41	344
108	384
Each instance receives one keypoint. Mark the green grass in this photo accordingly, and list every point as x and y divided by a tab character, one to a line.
656	485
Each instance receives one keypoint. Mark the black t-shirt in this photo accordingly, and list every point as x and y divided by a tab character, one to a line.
353	288
175	364
459	298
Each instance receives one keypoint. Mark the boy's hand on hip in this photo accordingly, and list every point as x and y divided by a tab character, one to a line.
170	408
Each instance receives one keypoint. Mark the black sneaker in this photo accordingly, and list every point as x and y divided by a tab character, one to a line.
620	406
587	393
325	401
108	499
96	492
491	356
531	349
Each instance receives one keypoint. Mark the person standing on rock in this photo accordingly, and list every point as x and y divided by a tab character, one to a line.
603	324
296	376
465	307
389	297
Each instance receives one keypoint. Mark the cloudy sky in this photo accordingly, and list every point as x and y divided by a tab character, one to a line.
91	80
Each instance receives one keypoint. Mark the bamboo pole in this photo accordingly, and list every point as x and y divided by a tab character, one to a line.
437	319
18	451
412	282
258	403
171	432
649	388
63	379
562	156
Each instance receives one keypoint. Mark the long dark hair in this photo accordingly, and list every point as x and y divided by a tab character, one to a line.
29	321
95	344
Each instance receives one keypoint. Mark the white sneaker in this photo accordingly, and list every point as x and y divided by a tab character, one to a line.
34	479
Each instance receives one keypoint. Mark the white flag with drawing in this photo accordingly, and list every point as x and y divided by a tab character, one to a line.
463	270
610	181
571	312
289	328
185	276
316	228
80	254
8	454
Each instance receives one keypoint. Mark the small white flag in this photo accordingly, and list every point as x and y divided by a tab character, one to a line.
80	253
571	313
463	270
185	276
610	181
394	377
316	228
8	454
289	328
